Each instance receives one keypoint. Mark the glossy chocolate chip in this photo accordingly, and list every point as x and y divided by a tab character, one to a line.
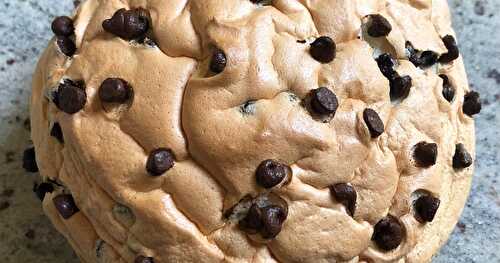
472	103
448	90
323	49
386	65
252	222
272	221
65	205
218	61
71	96
388	233
160	161
400	87
378	26
63	26
114	90
346	195
373	122
143	259
453	52
127	24
461	159
29	160
66	45
426	207
270	173
42	189
425	154
56	132
324	101
248	108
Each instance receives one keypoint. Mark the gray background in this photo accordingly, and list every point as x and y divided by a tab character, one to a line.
27	236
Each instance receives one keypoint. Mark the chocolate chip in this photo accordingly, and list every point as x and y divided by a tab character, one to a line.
386	65
472	103
453	52
428	58
448	90
272	221
425	59
373	122
66	45
4	205
65	205
378	26
324	101
160	161
218	61
56	132
114	90
127	24
42	189
426	207
29	160
63	26
143	259
252	222
388	233
323	49
425	154
270	173
71	96
400	87
462	159
346	195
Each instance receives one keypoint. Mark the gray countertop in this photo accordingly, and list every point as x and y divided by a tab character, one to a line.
26	235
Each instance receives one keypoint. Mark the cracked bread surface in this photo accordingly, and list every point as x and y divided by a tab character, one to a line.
219	138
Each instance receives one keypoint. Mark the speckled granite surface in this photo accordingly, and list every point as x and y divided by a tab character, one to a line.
27	236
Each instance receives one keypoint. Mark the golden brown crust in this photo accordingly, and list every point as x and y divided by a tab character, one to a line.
178	217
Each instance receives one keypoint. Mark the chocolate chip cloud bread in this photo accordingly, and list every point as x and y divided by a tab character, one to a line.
253	131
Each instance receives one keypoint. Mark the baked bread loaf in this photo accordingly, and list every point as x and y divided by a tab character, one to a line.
253	131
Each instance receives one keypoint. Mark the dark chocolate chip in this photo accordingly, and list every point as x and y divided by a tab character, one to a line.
425	154
56	132
143	259
65	205
448	90
66	45
127	24
71	96
160	161
453	52
373	122
413	54
324	101
386	65
270	173
42	189
428	58
461	159
472	103
248	108
346	195
114	90
252	222
323	49
63	26
388	233
378	26
218	61
426	207
4	205
29	160
272	221
400	87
